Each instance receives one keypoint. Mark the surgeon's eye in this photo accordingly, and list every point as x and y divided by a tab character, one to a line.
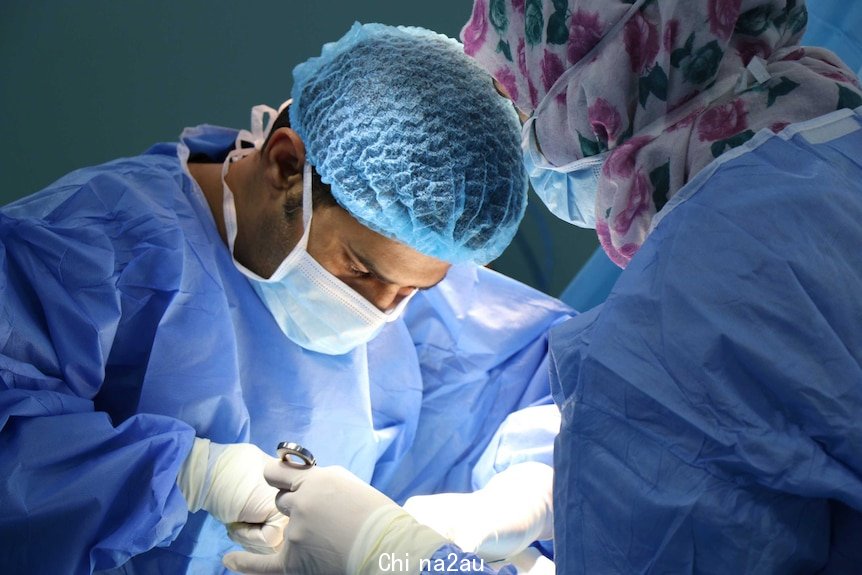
360	273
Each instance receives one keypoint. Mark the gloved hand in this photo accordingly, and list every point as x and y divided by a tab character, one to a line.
514	509
338	524
227	481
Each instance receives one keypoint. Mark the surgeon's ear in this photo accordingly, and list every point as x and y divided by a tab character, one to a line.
283	157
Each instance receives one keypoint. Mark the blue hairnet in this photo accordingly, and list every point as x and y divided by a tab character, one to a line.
414	140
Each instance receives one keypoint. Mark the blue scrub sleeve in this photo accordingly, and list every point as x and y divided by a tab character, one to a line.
81	490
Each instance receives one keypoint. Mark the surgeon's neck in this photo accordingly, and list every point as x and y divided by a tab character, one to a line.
208	177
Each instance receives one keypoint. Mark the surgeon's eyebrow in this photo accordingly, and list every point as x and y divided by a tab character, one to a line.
367	264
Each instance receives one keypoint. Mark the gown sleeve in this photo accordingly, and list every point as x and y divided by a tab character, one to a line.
86	481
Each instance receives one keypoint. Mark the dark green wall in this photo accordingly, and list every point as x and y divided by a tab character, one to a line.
87	81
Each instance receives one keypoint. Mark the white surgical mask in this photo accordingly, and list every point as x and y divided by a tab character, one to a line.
568	191
313	308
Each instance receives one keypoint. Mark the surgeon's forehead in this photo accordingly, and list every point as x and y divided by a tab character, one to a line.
398	264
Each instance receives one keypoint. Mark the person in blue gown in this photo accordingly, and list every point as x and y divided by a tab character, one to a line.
710	406
167	319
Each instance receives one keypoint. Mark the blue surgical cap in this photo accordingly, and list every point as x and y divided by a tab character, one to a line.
414	141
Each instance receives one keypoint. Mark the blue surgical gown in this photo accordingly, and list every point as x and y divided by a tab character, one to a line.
712	407
126	331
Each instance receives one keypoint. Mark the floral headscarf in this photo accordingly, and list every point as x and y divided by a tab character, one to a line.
669	55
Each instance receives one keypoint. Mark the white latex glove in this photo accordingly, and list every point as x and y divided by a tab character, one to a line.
227	481
338	524
498	521
528	562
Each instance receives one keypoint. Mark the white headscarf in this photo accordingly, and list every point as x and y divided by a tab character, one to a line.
666	57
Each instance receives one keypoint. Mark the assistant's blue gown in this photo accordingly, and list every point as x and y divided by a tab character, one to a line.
712	406
126	331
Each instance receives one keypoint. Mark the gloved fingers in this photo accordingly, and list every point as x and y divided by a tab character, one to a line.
283	476
260	506
248	536
237	491
272	531
254	564
285	501
259	537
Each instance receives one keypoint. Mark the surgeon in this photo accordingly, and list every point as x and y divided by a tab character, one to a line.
168	319
710	407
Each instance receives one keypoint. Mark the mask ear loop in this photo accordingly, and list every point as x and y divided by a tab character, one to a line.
255	137
307	194
262	119
228	202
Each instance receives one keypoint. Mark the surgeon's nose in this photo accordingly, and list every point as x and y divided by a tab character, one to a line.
387	296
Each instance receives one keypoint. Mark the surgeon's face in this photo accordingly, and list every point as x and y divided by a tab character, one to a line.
382	270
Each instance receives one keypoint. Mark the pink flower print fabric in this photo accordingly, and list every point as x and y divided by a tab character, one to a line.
532	92
641	40
552	68
662	60
508	81
605	121
474	34
636	203
722	17
585	31
535	40
722	122
621	164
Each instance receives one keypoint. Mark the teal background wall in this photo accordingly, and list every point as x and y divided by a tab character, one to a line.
91	80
